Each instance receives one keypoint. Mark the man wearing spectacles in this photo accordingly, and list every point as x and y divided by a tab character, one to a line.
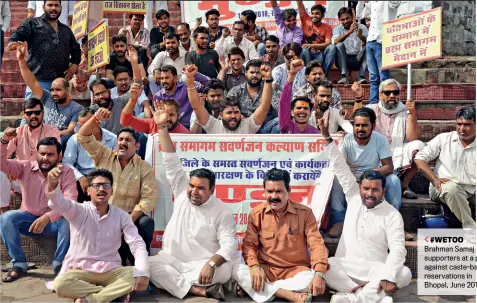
93	271
34	218
397	121
52	47
136	188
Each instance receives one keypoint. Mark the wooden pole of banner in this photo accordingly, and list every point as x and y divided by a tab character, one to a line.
409	81
124	19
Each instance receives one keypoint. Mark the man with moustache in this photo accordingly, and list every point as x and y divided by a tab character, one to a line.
287	31
364	150
118	57
199	240
230	108
207	60
77	158
223	45
52	47
250	93
272	52
254	32
322	107
214	93
157	34
148	125
453	178
314	73
186	43
92	271
368	265
122	79
34	218
173	55
35	9
300	107
136	188
60	110
233	71
137	36
215	30
398	123
172	89
290	51
284	253
317	34
349	38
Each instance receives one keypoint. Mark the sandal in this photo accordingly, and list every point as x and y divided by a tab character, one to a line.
309	297
10	278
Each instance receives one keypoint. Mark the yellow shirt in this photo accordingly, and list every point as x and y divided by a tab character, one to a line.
134	187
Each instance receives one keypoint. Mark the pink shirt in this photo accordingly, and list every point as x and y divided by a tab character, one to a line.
26	140
32	182
95	240
384	123
147	125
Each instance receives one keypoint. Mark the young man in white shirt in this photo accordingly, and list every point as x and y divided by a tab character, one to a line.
199	240
230	113
223	45
362	269
453	179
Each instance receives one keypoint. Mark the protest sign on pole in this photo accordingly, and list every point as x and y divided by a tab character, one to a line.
240	163
79	24
131	7
230	11
414	38
98	46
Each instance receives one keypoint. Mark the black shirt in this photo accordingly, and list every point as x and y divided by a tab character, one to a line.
114	62
50	52
157	37
215	38
208	63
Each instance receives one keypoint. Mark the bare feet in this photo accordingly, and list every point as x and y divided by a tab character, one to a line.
300	297
239	292
81	300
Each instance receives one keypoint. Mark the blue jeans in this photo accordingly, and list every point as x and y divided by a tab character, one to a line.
271	127
142	147
45	84
261	49
338	200
326	57
376	75
16	222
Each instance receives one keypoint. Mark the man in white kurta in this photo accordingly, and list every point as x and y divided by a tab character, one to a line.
362	253
195	235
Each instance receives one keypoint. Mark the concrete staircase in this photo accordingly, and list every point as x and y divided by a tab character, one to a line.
439	88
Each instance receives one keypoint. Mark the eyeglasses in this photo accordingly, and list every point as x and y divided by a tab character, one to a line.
389	92
36	112
97	186
56	38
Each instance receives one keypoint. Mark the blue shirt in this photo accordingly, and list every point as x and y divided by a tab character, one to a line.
77	157
361	158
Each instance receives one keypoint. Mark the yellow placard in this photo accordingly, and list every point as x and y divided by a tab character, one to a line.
79	25
414	38
138	7
98	46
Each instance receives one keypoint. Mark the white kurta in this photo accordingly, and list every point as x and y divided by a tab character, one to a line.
192	237
367	236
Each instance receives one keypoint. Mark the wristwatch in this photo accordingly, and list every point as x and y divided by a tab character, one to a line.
269	80
212	263
320	274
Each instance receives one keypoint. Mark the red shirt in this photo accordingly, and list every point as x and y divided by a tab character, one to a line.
148	126
314	34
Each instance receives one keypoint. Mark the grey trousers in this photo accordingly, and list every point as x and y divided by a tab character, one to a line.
350	62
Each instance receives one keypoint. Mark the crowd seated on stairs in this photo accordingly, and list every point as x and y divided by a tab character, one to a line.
82	130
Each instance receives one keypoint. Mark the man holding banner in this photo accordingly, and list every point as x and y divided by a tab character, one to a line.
199	240
283	250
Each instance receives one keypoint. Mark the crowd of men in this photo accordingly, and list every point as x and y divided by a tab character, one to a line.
64	157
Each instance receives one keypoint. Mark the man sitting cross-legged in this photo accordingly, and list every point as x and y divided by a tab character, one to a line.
136	188
34	218
362	269
93	271
199	240
283	250
232	122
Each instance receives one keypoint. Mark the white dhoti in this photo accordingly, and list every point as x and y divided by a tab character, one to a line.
403	156
338	278
178	277
299	283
